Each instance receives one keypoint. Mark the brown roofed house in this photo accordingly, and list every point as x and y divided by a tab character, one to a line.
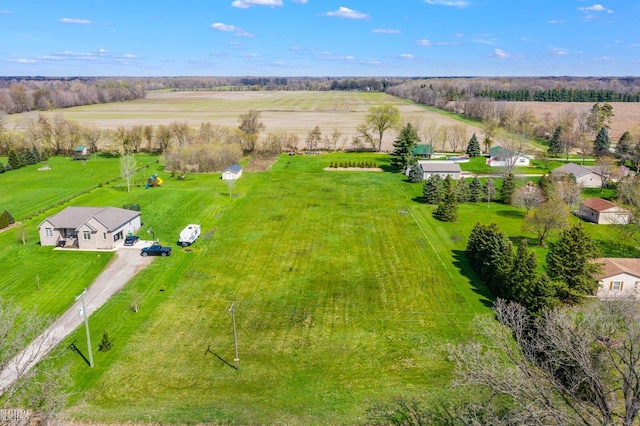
620	278
603	212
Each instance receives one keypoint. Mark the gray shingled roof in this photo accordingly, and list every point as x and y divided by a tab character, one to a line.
575	169
73	217
440	166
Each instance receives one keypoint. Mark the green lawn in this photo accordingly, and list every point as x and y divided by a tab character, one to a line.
345	289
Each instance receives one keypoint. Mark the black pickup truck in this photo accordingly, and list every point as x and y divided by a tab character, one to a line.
156	250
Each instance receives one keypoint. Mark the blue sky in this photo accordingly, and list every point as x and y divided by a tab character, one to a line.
320	37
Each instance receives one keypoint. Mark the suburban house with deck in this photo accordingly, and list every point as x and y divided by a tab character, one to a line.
603	212
232	172
442	168
620	278
503	157
89	228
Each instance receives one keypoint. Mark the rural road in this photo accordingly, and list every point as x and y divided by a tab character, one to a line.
126	263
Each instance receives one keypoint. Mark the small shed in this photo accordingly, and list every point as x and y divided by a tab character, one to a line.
80	152
603	212
232	172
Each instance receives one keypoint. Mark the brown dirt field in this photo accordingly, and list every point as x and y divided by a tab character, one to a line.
293	112
626	115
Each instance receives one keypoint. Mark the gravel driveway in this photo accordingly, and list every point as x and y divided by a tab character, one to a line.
126	263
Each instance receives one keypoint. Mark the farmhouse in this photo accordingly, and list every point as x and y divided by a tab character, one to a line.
502	157
232	172
442	168
586	177
620	278
603	212
88	228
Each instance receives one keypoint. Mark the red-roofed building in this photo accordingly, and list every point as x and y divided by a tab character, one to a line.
603	212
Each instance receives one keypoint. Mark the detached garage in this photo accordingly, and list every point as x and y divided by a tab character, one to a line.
603	212
232	172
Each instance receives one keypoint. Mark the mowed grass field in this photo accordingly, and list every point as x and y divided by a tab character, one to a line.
345	294
295	112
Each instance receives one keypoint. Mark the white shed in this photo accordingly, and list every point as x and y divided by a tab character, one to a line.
232	172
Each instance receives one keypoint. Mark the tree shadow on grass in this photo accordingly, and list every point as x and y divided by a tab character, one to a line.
461	262
514	214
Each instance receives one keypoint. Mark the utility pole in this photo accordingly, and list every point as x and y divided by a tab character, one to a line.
235	336
83	313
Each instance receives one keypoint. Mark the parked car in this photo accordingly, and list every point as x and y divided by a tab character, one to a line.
189	235
131	240
156	250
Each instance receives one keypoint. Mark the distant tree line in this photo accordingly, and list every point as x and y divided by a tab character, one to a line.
559	95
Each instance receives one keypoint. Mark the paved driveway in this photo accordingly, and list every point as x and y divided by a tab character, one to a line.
126	263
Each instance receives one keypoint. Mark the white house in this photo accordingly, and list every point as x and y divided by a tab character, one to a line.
89	228
619	279
442	168
586	177
232	172
502	157
603	212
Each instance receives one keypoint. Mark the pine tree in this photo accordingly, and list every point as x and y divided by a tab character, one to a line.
490	254
14	160
1	168
602	142
36	154
416	174
4	221
9	217
508	188
406	140
105	345
624	146
28	157
475	190
462	191
570	262
433	189
473	147
447	210
555	144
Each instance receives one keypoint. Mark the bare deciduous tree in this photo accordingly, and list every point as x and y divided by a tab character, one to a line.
250	126
127	167
551	216
314	137
528	197
457	137
575	366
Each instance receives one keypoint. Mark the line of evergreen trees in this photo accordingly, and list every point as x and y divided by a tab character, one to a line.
18	158
559	95
569	270
354	164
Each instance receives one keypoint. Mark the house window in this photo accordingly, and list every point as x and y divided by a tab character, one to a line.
86	235
616	285
104	235
48	232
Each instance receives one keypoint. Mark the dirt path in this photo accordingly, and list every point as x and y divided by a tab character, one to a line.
126	263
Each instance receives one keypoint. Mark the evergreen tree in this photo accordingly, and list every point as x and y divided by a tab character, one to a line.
490	254
415	173
105	345
624	146
4	221
602	142
36	153
406	140
570	263
555	144
28	157
462	191
508	188
525	285
14	160
9	217
447	210
473	147
1	168
433	189
475	190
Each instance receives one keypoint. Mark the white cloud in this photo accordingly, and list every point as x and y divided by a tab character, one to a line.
345	12
406	56
423	42
484	41
558	52
237	31
21	60
300	1
74	21
6	12
454	3
385	31
246	4
595	8
556	21
501	54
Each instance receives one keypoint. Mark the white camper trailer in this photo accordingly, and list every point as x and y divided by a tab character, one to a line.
189	235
